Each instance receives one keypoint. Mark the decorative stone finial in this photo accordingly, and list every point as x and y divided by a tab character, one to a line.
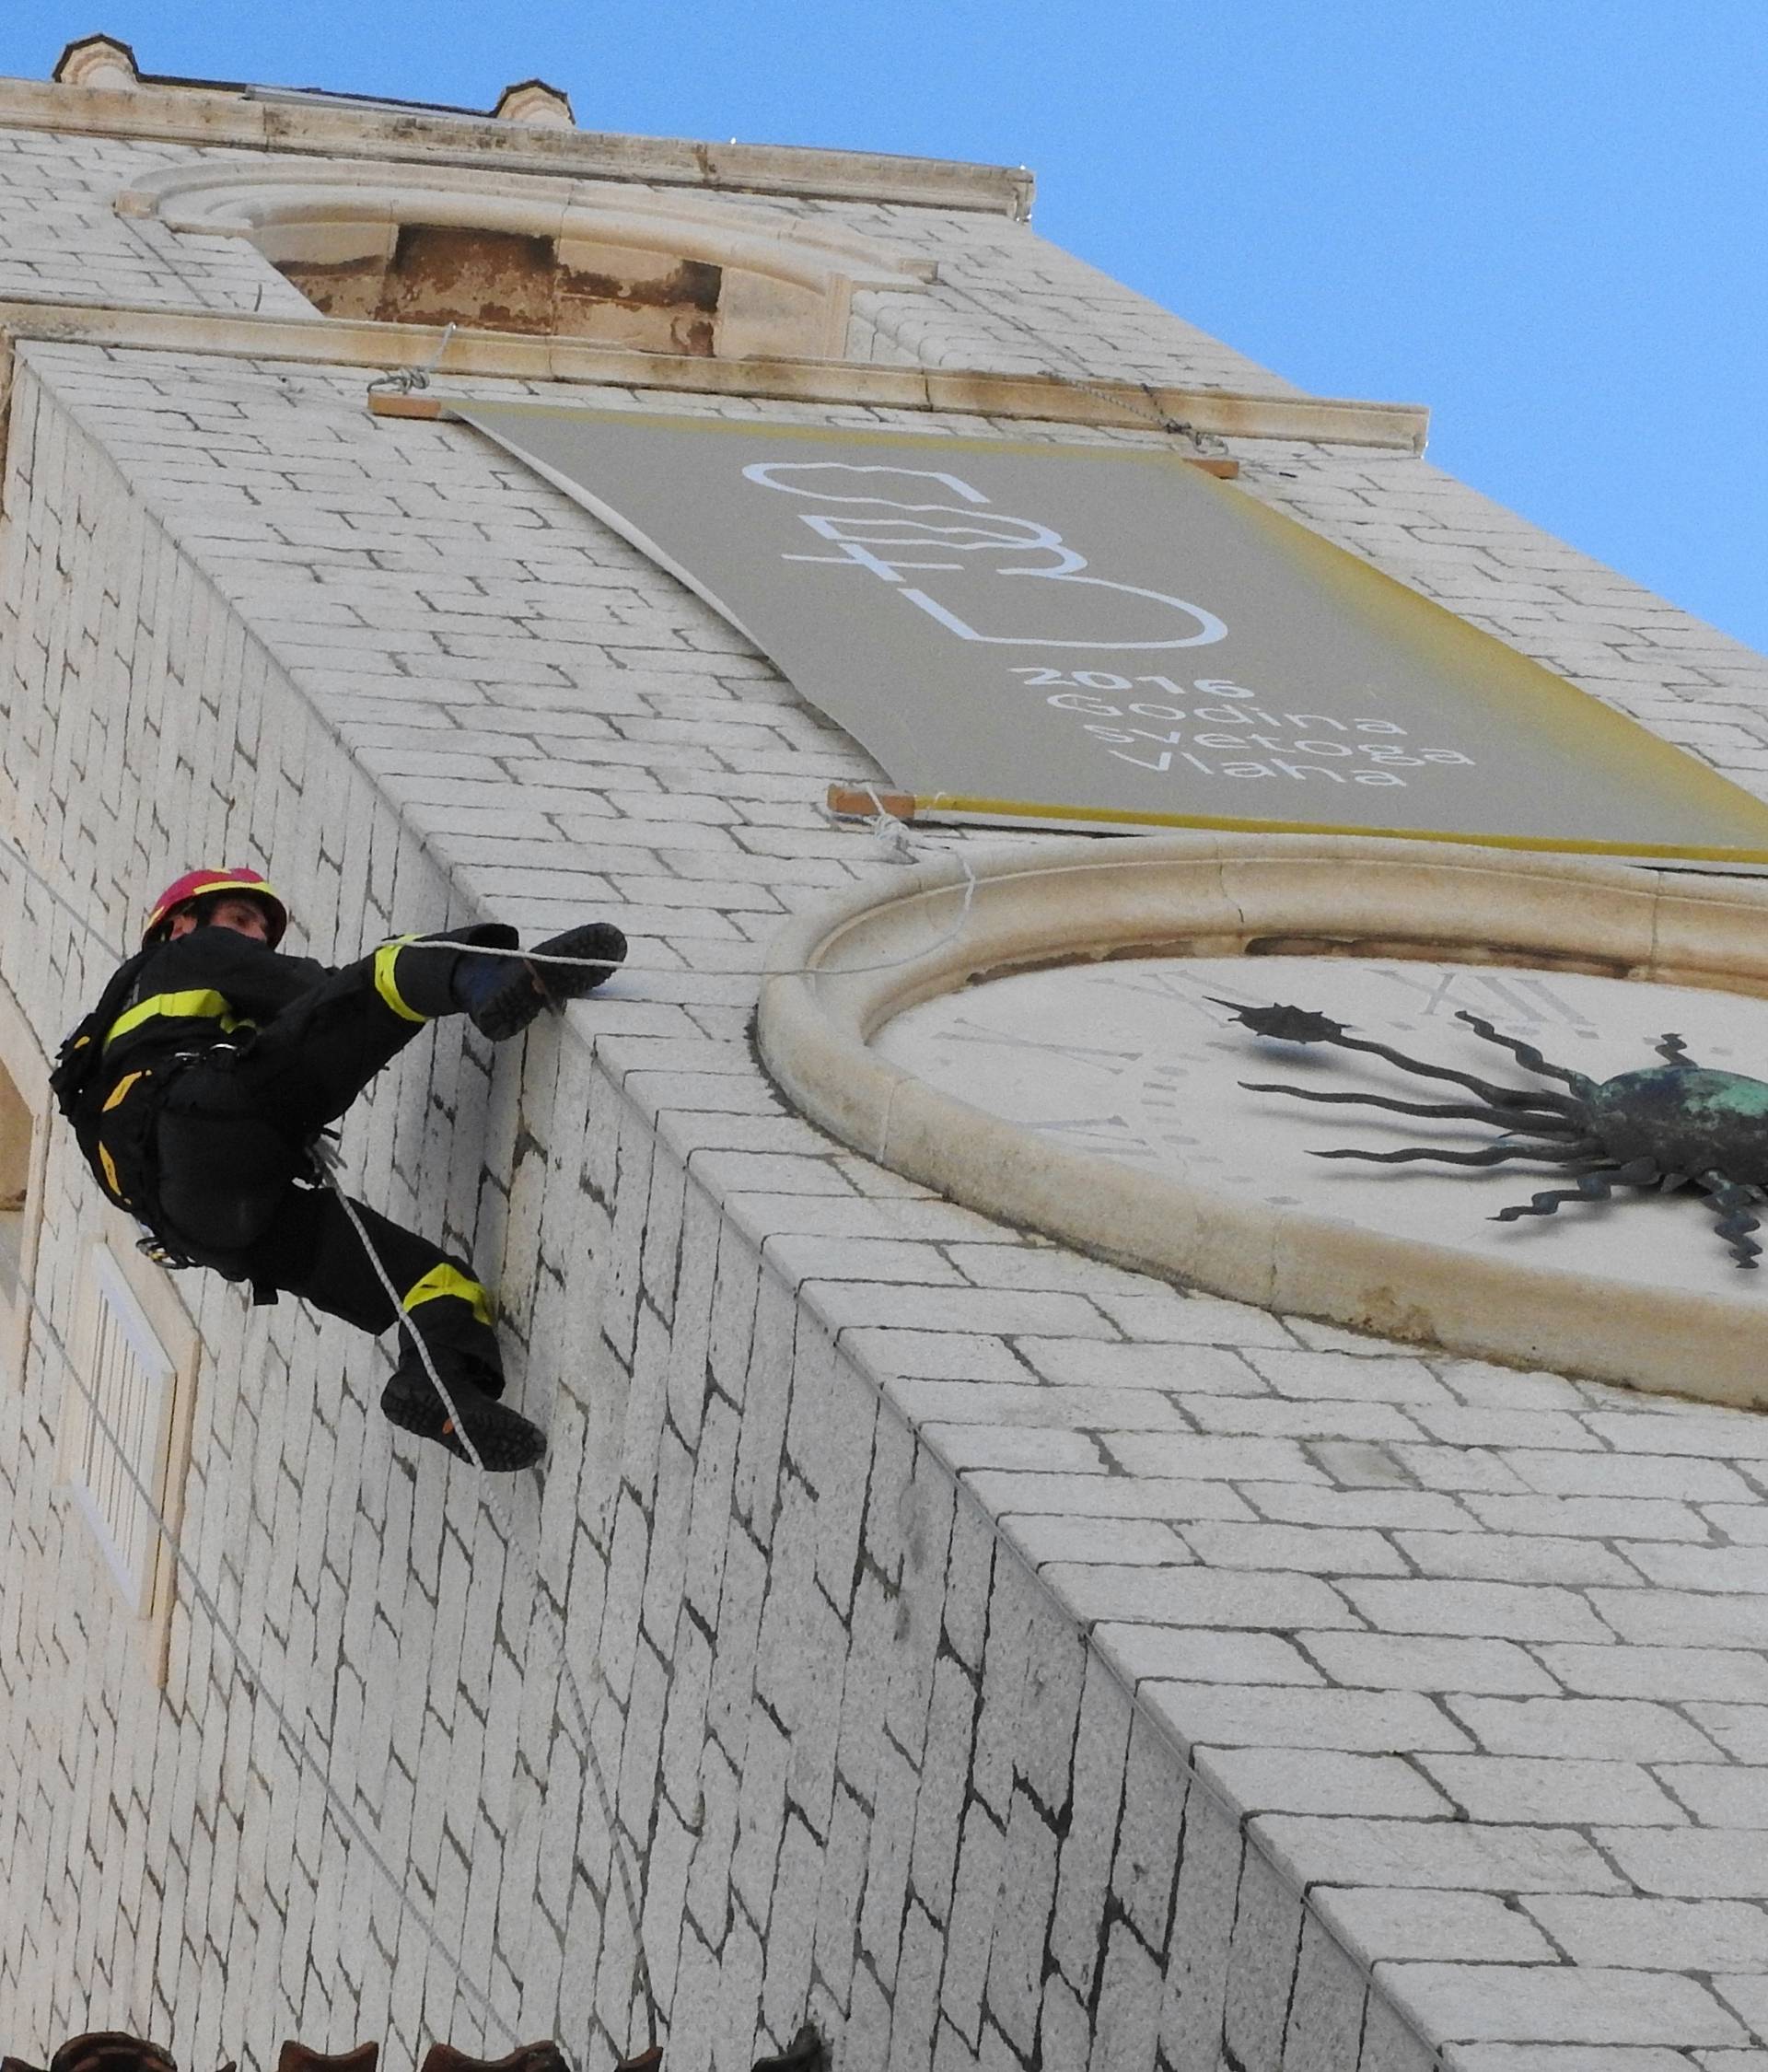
97	61
532	101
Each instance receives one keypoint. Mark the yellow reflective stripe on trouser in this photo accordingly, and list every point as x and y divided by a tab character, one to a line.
386	960
204	1006
448	1280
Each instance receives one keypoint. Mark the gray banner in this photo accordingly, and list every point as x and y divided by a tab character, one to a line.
1091	633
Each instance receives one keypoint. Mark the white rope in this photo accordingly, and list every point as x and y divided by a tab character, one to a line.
326	1165
635	1920
252	1676
913	848
60	897
325	1162
888	830
910	846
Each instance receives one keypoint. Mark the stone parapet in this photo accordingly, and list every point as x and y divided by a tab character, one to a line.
261	119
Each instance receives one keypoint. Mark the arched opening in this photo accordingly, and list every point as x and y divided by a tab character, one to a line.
684	274
485	279
16	1120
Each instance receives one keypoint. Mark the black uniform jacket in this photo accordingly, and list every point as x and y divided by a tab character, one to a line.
208	988
203	988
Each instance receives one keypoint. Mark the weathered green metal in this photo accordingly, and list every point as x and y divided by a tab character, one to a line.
1668	1125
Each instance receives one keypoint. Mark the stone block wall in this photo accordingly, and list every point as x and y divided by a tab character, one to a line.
862	1764
1012	1660
1004	299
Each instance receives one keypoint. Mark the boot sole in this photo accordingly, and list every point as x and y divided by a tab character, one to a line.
532	987
504	1439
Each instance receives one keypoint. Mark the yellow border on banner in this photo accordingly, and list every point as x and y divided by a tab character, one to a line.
1494	683
1028	809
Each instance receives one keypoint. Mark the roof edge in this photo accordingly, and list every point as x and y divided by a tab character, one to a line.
259	118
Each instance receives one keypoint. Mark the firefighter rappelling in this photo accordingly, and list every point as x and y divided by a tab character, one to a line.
199	1087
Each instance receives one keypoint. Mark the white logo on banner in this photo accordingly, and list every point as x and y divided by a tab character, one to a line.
1022	548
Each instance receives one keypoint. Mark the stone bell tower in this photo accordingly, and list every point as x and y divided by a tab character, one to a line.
1031	1568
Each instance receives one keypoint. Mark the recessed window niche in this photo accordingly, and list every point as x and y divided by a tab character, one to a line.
486	279
14	1183
680	274
24	1112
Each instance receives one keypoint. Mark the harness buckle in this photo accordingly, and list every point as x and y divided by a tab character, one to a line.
152	1246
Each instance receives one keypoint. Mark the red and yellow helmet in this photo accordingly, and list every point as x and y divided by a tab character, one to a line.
205	884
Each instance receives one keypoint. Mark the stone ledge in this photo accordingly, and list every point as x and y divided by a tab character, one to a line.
260	119
508	356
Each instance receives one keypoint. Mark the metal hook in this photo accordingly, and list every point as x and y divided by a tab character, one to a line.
407	380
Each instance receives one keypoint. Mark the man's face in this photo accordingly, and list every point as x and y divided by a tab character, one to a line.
244	916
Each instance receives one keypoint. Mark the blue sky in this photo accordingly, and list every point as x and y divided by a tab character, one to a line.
1545	221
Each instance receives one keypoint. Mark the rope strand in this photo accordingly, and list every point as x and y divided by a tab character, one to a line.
252	1676
913	848
326	1167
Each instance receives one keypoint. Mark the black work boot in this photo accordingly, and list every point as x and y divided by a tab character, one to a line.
447	1335
503	995
503	1438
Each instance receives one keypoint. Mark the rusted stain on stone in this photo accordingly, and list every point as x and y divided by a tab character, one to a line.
495	280
499	280
341	287
693	285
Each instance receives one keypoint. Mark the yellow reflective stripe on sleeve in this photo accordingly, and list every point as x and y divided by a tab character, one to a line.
386	959
110	1179
203	1006
448	1280
119	1091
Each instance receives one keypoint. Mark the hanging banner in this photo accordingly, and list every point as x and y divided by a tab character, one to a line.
1072	633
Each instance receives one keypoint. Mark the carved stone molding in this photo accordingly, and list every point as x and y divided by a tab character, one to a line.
97	61
261	118
512	252
532	101
841	973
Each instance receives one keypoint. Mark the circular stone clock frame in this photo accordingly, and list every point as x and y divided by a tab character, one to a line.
837	975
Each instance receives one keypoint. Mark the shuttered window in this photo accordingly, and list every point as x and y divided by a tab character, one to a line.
15	1184
119	1429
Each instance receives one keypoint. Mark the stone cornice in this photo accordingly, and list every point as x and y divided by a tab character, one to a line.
258	120
505	356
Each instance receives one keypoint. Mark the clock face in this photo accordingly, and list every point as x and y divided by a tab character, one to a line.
1137	1061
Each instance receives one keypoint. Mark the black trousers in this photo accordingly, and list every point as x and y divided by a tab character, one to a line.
235	1191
